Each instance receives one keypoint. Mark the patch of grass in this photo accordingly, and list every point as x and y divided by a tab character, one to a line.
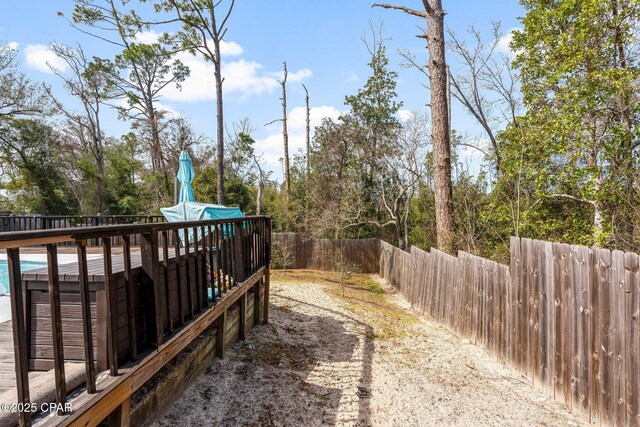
374	287
361	294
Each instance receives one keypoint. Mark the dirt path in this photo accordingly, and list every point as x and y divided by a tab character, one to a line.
326	339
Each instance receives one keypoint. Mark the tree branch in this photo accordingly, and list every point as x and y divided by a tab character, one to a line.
407	10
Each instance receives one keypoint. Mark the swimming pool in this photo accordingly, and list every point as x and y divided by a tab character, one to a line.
24	266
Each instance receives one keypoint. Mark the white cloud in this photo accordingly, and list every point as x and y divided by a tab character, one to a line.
242	78
227	48
170	111
300	75
292	77
13	45
39	57
350	76
505	40
199	86
148	37
404	115
230	48
271	146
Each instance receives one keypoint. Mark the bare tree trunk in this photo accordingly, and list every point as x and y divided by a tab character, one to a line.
259	198
157	158
441	134
306	100
592	161
440	127
220	122
100	174
285	135
99	155
398	224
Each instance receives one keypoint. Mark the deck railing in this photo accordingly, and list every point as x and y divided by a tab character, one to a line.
13	222
209	259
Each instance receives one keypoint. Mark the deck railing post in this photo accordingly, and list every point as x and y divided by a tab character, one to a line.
178	263
19	334
240	253
218	261
131	295
187	266
210	259
196	263
85	303
165	269
111	292
56	327
150	265
203	267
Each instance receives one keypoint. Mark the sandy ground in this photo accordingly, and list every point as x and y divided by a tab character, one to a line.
325	339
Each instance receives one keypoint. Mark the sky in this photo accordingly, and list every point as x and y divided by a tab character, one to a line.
321	41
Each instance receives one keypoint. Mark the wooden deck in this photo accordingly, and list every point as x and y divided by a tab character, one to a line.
7	367
116	320
67	273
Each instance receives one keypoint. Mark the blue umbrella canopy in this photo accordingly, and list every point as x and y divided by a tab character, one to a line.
185	176
194	211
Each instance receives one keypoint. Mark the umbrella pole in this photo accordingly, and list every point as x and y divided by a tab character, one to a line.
176	189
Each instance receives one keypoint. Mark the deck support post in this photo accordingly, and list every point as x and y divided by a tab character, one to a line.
121	416
221	334
265	313
242	327
256	302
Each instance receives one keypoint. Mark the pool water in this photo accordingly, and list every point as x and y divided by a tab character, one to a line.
24	266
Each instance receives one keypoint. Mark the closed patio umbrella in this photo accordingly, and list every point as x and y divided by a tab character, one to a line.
185	176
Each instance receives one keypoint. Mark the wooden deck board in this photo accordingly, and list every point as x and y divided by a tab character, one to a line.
7	367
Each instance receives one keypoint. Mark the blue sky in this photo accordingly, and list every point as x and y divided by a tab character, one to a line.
320	40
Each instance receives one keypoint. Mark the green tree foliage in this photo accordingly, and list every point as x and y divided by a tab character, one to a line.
31	161
355	179
123	168
137	74
575	150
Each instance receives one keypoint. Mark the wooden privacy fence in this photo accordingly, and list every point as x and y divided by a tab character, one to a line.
302	251
566	316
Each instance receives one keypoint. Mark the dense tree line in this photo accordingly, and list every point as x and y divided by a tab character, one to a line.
559	113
